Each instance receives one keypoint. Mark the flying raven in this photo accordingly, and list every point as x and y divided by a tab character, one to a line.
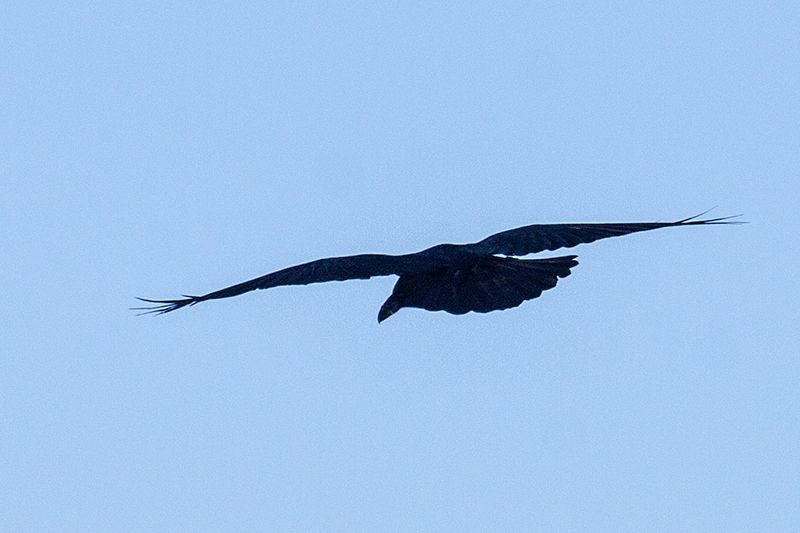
456	278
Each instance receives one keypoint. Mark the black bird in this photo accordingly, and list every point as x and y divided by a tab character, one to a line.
456	278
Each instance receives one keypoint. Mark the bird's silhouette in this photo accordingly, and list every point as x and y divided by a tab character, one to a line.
457	278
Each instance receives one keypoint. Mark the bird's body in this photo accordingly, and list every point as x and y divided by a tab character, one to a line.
457	278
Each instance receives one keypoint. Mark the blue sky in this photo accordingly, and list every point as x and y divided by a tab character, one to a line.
159	148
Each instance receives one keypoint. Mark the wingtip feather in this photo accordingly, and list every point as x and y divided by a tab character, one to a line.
164	306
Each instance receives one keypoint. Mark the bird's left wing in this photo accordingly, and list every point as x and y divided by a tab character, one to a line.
539	237
330	269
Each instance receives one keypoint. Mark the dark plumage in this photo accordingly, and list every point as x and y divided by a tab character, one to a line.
456	278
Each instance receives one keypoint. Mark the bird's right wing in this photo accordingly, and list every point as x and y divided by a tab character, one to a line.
329	269
539	237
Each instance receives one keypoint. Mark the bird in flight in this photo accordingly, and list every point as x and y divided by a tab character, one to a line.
482	276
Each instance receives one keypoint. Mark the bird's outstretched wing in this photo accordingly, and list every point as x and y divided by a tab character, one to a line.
330	269
540	237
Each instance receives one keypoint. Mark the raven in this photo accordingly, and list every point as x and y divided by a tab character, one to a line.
457	278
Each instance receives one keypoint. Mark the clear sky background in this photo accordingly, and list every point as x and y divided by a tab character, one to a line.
159	148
